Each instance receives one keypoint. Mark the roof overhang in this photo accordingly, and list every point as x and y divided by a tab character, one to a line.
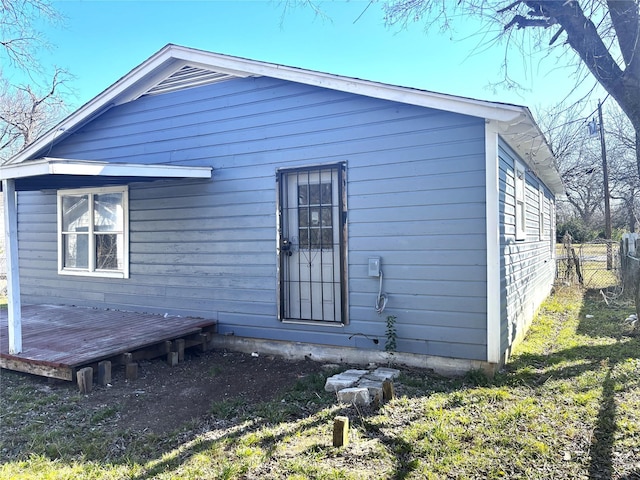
172	59
62	173
524	136
175	66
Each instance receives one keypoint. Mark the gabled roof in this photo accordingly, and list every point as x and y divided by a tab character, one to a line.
175	67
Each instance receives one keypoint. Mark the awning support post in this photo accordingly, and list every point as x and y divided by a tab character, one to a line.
14	309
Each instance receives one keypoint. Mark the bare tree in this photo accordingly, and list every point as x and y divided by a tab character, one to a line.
579	161
603	34
27	110
621	152
19	38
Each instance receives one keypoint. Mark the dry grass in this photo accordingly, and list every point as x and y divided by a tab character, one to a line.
566	407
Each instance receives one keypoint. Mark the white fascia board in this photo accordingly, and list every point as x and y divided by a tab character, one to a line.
173	57
55	166
467	106
28	169
148	80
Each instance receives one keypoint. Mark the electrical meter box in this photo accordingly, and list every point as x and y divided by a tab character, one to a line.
374	267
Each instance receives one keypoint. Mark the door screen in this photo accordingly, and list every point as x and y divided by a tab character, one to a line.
311	244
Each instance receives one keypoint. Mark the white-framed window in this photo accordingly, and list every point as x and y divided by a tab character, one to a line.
552	228
93	232
541	215
521	201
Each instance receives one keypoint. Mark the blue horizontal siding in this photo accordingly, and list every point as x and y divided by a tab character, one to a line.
527	267
415	196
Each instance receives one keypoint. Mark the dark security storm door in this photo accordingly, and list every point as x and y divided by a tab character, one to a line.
312	244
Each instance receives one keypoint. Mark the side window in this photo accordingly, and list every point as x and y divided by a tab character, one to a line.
521	201
541	215
93	232
552	228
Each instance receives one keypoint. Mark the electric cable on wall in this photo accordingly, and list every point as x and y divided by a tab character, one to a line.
381	300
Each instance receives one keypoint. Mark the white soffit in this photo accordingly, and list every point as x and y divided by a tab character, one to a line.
529	143
59	166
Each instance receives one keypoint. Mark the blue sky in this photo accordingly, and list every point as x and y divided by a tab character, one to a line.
103	40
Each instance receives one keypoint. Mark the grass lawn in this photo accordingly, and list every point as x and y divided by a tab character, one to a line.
566	407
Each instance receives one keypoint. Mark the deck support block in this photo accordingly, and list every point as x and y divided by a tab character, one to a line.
166	347
388	392
203	339
340	431
178	346
85	379
172	359
131	371
104	372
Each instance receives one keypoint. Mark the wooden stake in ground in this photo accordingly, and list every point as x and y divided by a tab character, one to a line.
340	431
388	393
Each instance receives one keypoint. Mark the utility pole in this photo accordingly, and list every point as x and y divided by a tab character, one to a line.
607	207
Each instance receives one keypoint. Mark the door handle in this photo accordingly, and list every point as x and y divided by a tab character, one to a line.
286	246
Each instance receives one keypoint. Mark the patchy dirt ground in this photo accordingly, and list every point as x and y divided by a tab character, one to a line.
164	398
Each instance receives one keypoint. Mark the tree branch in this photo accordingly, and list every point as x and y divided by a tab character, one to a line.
509	7
584	38
625	21
521	21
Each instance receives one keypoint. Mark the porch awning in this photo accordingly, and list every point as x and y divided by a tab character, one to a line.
55	173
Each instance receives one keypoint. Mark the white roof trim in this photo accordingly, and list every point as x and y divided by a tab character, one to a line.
59	166
467	106
172	58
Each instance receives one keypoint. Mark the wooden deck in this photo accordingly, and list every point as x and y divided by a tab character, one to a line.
57	341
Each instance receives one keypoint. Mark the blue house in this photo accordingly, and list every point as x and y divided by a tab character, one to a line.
296	208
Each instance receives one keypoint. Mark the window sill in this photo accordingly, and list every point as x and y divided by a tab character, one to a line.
324	323
99	274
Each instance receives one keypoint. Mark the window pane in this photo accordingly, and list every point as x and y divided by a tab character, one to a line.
326	216
327	238
314	214
75	213
108	255
325	194
314	238
303	195
75	251
303	217
303	242
314	194
108	212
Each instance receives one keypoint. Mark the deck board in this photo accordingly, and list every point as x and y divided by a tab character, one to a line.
66	338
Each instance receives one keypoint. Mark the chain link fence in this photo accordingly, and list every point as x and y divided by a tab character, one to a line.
592	265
